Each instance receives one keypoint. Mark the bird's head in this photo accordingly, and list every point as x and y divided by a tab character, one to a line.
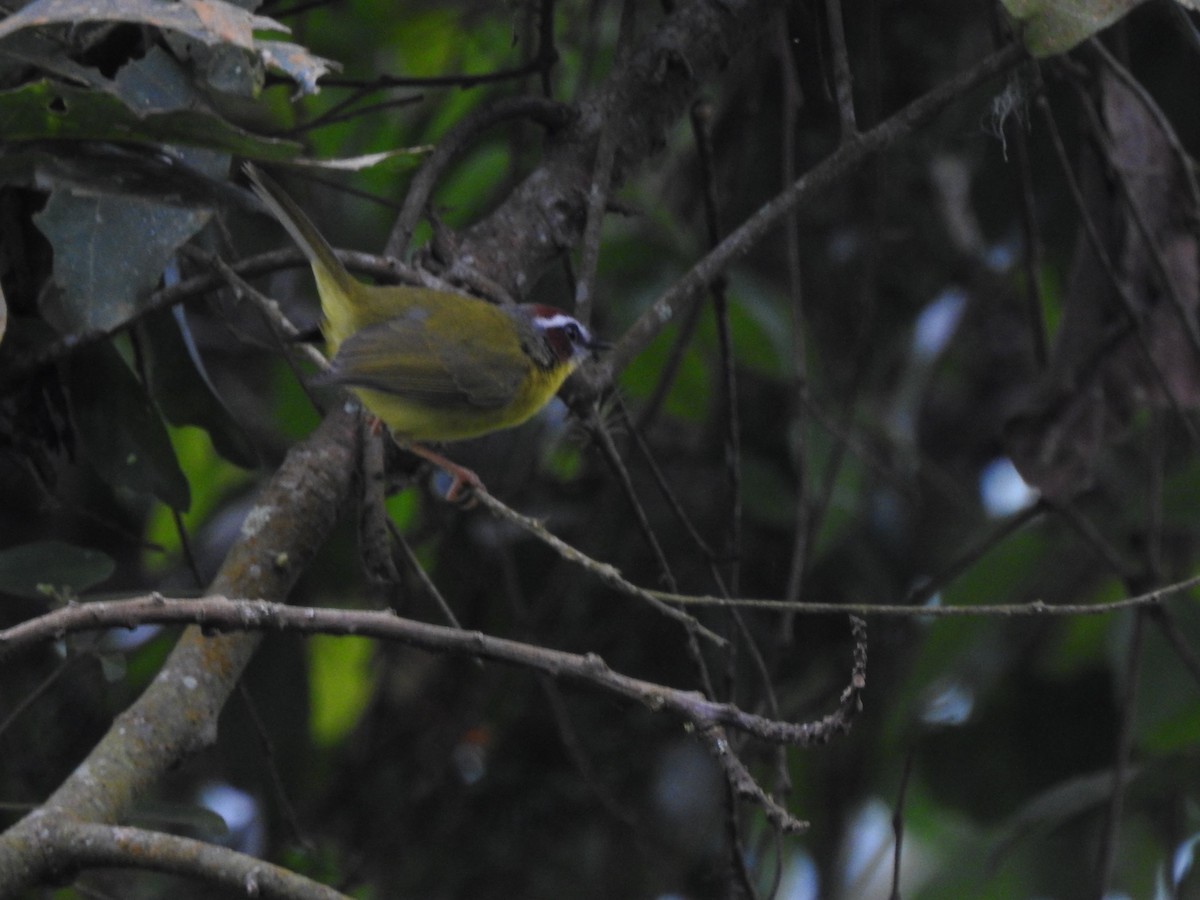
564	339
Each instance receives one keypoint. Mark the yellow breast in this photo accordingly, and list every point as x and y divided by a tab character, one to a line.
409	420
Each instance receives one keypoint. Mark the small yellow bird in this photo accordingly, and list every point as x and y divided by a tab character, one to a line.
433	365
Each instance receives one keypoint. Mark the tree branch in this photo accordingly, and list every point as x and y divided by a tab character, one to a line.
222	614
835	167
636	107
610	575
1035	608
72	845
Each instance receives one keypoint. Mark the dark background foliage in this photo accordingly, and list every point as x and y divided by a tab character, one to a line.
910	329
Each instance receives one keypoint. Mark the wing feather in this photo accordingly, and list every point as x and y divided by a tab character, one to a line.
475	361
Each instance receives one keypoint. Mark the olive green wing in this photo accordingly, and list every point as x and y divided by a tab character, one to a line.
465	356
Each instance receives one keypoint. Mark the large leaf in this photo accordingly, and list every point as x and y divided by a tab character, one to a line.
109	252
214	23
155	83
184	391
44	110
342	681
209	21
111	234
52	567
1100	373
1055	26
121	431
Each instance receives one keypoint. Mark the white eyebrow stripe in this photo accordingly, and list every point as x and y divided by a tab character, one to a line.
561	320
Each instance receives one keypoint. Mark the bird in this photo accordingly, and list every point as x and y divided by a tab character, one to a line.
433	366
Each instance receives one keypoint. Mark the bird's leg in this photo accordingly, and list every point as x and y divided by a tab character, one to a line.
463	477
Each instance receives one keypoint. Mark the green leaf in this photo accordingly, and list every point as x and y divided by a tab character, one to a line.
339	668
109	252
1055	26
692	392
40	52
760	327
1052	807
120	428
768	494
52	567
45	110
183	390
213	479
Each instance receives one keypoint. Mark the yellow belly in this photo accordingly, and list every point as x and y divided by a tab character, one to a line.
409	420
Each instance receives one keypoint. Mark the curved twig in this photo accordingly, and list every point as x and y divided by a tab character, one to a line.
605	572
550	113
832	169
75	845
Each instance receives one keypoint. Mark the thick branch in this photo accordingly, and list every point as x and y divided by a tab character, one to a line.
636	107
77	845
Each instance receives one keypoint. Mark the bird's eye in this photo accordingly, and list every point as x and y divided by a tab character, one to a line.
575	333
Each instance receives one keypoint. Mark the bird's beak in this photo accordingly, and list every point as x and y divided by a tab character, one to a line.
596	345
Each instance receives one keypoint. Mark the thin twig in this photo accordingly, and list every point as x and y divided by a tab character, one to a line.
802	521
1120	290
63	666
667	492
382	82
419	570
612	455
49	354
1167	284
551	114
1035	608
598	191
1165	620
218	613
842	77
547	52
745	787
1032	257
701	121
577	751
287	808
1091	535
965	560
831	170
898	821
1107	860
1184	159
702	132
669	369
341	112
605	572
